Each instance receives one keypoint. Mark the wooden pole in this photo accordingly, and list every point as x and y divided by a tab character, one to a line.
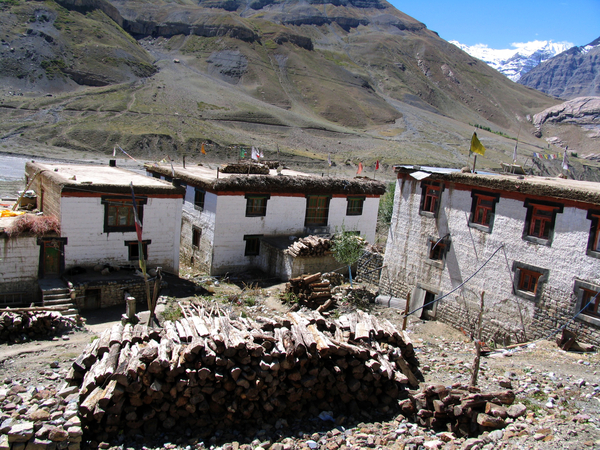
406	309
477	345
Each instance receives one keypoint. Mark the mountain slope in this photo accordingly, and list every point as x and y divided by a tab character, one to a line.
358	79
573	73
515	62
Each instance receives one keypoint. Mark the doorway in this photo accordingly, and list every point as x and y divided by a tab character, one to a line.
52	257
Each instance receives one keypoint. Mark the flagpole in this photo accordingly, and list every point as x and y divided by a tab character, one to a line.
474	161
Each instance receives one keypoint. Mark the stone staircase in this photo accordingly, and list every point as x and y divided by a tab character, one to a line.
58	295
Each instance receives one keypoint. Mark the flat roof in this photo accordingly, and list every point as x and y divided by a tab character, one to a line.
88	177
286	181
555	187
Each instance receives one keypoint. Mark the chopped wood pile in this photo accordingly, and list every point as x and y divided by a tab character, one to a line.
311	291
32	323
309	246
568	342
214	371
462	410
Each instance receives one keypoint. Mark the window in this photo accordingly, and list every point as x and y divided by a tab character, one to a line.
430	198
118	213
355	206
539	224
134	249
317	210
196	235
256	205
593	248
588	300
252	244
437	250
529	280
483	209
199	195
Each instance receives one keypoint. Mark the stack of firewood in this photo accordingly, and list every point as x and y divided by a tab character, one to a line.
32	323
462	410
211	371
309	246
311	291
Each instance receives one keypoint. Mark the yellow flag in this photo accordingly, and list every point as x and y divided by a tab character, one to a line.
476	146
202	150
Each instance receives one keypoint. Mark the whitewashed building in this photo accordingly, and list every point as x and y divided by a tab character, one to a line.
229	217
531	244
93	204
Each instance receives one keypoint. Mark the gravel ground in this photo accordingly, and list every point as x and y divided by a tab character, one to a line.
559	389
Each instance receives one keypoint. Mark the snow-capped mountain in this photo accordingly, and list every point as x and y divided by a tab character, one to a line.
516	61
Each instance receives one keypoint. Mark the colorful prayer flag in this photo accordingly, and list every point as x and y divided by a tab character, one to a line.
377	165
360	167
329	159
476	146
242	153
254	154
202	149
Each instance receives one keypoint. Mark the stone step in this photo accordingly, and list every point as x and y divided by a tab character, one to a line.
58	301
57	297
55	291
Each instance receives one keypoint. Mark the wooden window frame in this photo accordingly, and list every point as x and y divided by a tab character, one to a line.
118	203
593	247
523	274
199	198
490	211
252	244
437	249
133	249
355	206
431	197
196	236
322	211
256	205
584	291
546	223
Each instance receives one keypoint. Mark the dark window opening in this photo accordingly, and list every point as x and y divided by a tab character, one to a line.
252	245
119	215
199	195
196	235
256	205
317	210
134	250
355	206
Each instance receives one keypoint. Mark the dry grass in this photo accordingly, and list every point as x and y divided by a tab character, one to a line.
36	225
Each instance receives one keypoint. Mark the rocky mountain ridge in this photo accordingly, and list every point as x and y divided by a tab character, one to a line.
573	73
357	79
517	61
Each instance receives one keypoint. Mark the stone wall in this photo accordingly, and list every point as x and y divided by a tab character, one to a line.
111	293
